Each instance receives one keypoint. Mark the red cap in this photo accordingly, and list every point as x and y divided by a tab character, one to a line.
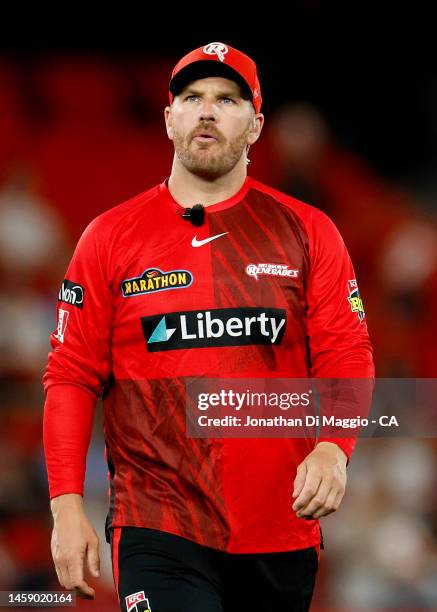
217	59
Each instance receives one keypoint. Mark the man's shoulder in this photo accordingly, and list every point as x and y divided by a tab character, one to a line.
282	198
122	212
308	213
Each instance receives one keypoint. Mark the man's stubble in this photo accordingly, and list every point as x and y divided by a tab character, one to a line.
210	160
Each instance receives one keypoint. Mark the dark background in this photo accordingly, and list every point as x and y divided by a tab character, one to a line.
369	67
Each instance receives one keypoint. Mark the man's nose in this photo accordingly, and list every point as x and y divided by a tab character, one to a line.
207	110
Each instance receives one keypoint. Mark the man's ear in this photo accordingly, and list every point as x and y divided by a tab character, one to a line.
168	122
256	127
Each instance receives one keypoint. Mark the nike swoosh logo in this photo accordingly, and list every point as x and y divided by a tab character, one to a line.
199	243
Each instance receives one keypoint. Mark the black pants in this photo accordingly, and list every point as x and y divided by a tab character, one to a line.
162	572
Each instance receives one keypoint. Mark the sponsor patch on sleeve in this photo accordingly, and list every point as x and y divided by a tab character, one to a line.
62	324
71	293
354	298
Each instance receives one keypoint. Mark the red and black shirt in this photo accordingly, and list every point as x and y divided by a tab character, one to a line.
140	281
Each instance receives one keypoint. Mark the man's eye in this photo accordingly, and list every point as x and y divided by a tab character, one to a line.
227	99
190	97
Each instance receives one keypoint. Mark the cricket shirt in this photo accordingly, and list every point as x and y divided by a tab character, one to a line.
264	288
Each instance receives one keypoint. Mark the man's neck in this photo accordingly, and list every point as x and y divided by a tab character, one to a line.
188	189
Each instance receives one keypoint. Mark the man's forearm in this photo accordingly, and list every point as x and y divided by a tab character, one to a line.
343	399
67	427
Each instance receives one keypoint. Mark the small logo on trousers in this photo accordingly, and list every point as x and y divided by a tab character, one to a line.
137	602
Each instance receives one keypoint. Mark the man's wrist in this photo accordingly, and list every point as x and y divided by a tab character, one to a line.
341	453
71	500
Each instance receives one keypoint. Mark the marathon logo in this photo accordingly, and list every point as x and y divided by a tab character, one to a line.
214	328
355	299
137	602
71	293
270	268
153	280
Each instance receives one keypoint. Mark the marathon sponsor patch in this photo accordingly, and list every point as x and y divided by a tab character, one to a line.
153	280
71	293
214	328
355	300
271	269
137	602
62	324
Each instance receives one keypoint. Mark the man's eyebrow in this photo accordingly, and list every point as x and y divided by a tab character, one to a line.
189	90
223	93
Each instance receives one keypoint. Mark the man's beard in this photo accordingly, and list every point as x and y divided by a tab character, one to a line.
210	160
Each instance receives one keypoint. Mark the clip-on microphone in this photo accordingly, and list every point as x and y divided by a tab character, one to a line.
196	214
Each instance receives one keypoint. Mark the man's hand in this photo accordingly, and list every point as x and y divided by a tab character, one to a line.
320	482
74	541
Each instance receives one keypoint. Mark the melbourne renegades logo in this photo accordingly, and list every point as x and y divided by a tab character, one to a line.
137	602
216	48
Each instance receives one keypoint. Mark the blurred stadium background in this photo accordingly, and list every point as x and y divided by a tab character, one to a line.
349	131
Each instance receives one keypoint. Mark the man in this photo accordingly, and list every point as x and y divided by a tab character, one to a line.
200	524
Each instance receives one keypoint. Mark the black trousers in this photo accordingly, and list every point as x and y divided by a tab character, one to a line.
162	572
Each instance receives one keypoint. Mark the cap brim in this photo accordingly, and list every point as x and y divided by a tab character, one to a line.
203	69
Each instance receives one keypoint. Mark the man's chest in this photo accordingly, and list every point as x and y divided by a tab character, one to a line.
198	268
190	287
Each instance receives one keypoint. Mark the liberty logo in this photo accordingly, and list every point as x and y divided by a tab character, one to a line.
216	48
213	328
161	332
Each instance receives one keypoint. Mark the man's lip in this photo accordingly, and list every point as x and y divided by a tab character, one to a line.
205	136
